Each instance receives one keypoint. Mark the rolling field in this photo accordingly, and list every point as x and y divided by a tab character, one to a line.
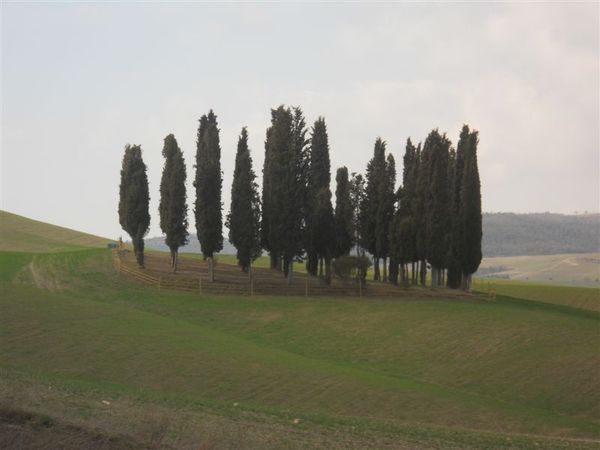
109	363
582	269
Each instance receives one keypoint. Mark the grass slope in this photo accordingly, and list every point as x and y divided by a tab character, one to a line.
383	373
18	233
584	298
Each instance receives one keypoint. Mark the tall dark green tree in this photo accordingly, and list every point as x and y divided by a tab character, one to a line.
357	196
455	169
208	184
243	219
403	232
267	201
344	212
377	208
173	199
324	241
134	199
436	206
470	210
283	192
385	211
319	178
422	168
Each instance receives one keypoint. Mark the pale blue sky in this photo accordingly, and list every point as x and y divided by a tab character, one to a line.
79	81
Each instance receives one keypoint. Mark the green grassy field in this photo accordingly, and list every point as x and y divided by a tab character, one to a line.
94	351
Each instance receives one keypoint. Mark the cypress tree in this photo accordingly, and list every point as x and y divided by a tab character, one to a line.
134	199
344	228
173	207
266	216
385	211
208	184
319	178
371	212
395	240
436	205
470	210
455	169
324	241
357	196
403	232
284	194
243	219
422	168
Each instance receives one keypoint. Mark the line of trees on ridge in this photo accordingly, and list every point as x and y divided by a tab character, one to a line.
433	220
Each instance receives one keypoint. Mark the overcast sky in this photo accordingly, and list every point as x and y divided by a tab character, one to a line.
79	81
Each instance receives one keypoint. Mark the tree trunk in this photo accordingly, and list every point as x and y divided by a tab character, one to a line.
138	249
312	264
435	276
175	260
465	282
423	272
290	272
385	276
328	271
376	274
321	267
275	261
211	269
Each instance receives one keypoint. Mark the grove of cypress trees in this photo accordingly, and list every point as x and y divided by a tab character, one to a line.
243	219
319	177
470	210
208	184
134	199
344	228
173	207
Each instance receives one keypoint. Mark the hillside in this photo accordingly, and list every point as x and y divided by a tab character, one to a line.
96	357
509	234
18	233
158	243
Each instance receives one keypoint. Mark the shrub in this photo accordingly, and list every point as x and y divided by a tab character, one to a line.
347	267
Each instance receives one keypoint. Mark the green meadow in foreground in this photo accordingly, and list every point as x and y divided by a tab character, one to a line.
93	354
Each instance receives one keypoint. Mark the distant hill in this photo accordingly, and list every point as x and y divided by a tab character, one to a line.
508	234
18	233
158	243
504	234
